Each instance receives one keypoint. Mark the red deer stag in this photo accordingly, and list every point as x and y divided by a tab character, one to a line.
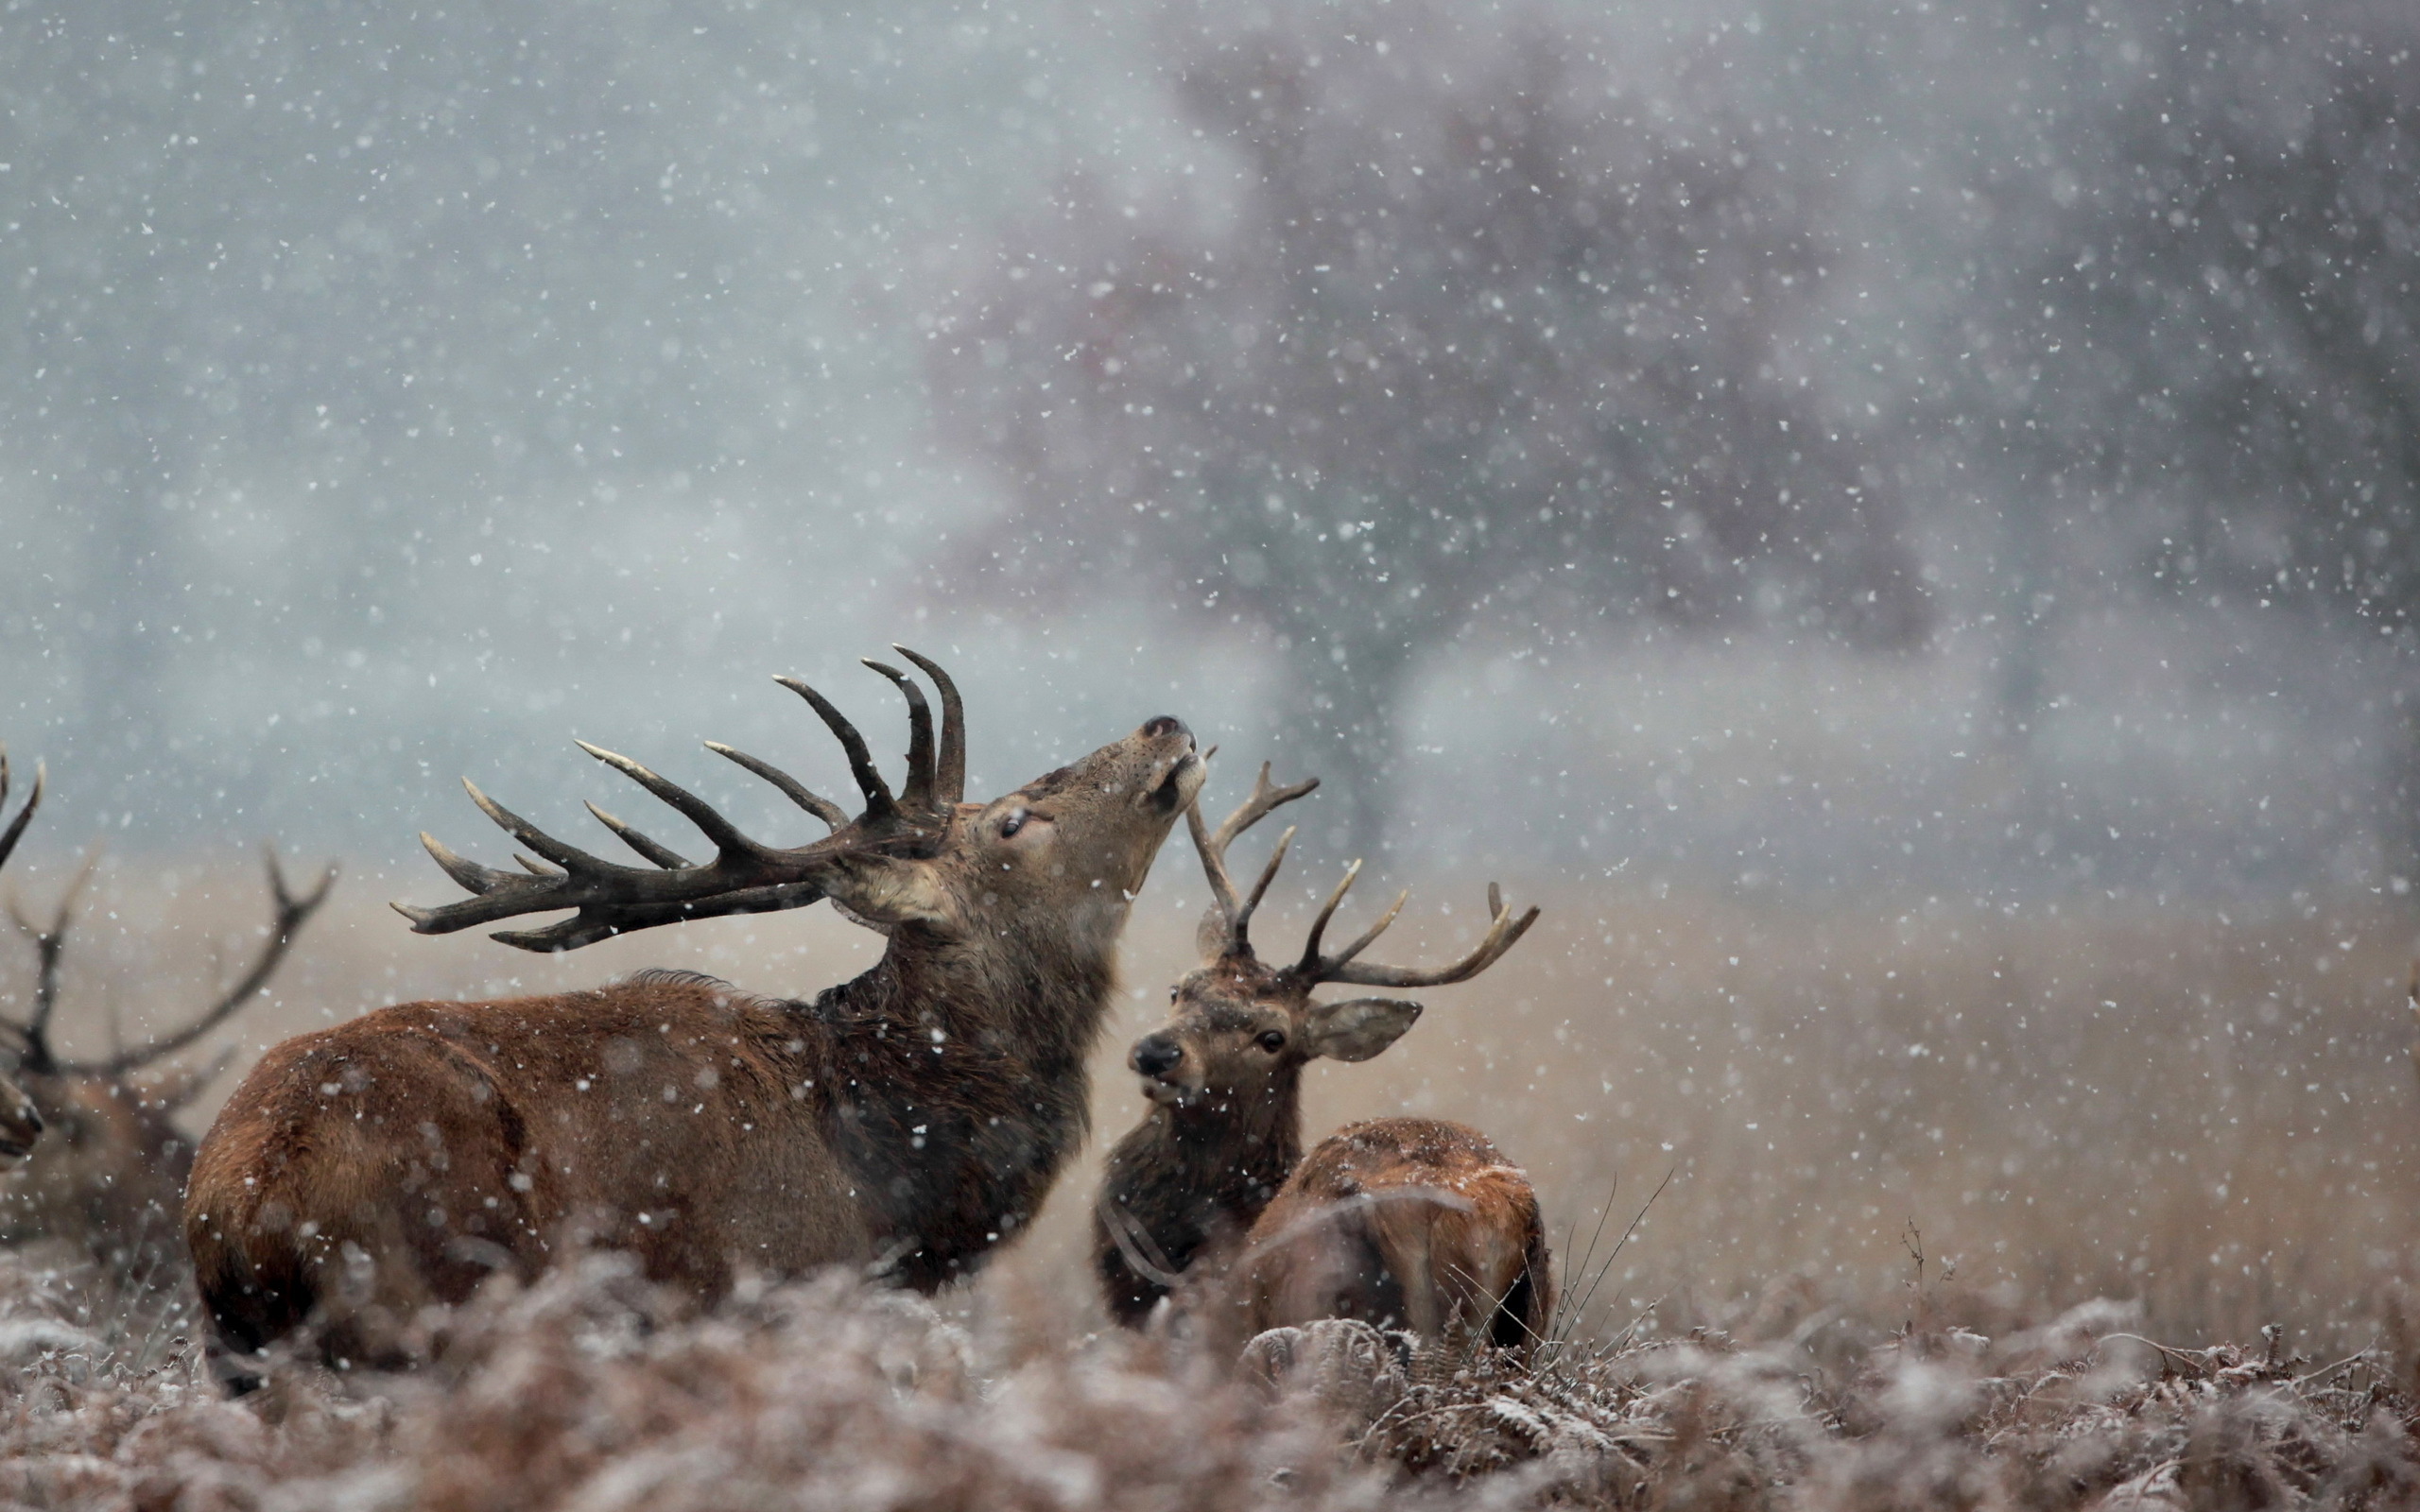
1408	1219
906	1122
108	1175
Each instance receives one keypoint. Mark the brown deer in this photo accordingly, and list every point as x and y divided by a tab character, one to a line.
108	1175
1404	1219
906	1122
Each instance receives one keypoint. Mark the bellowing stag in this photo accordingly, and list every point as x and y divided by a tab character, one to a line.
1406	1220
906	1122
109	1172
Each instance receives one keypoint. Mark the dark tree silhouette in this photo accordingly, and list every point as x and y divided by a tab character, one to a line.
1472	332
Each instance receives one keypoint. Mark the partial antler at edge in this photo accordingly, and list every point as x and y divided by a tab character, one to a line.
292	913
1503	931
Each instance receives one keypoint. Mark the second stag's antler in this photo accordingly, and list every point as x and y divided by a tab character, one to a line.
50	942
1226	929
745	876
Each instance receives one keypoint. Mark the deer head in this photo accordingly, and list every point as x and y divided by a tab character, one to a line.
1243	1029
921	862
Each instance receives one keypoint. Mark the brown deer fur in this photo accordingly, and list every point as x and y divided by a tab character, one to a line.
1411	1221
906	1122
1404	1220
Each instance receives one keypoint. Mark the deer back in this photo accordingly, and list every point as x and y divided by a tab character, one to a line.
1405	1222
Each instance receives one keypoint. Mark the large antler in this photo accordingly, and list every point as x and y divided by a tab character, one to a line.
50	944
745	876
1503	931
292	913
1226	930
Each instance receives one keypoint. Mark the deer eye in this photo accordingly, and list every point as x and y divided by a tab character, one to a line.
1010	826
1272	1042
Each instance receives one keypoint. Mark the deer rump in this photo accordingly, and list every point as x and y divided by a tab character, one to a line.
1405	1221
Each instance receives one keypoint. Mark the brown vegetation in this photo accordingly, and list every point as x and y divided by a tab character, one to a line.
1760	1318
593	1390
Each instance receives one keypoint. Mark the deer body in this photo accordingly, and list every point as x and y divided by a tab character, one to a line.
1209	1199
906	1122
1411	1221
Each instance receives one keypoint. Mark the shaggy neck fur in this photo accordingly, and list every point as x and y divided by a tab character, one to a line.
1195	1178
952	1077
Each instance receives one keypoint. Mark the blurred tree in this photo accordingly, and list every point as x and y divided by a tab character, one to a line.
2199	304
1472	331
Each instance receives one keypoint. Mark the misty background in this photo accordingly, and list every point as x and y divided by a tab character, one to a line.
1858	446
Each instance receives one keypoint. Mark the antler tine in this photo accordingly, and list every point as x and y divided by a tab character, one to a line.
791	788
1311	961
949	771
662	855
1265	798
1504	931
528	833
1260	889
1214	864
291	910
1368	936
16	829
469	875
291	914
709	821
869	782
50	946
918	792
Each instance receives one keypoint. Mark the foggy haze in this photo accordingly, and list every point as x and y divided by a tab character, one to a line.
391	396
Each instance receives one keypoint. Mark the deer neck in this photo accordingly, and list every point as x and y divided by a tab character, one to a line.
1189	1171
954	1083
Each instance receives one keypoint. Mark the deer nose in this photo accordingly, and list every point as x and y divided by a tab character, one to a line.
1155	1055
1164	724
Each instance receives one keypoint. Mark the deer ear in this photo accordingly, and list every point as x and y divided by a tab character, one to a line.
1356	1028
882	893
